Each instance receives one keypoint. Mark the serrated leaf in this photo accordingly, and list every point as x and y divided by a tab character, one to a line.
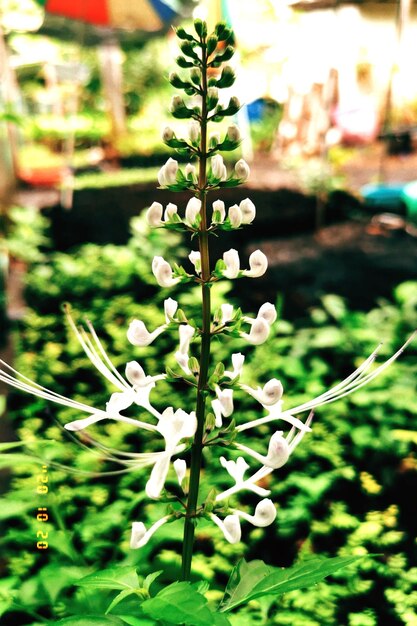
112	578
252	581
179	603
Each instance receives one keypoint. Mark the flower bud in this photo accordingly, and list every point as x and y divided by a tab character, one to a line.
135	374
167	134
167	175
218	167
267	312
225	397
195	75
227	313
233	133
218	207
170	308
248	211
230	527
217	410
227	77
232	261
154	214
234	104
190	171
138	533
242	170
192	210
212	96
265	513
180	467
259	332
194	131
138	335
186	332
235	216
272	392
177	103
214	140
195	259
258	264
278	451
162	271
170	210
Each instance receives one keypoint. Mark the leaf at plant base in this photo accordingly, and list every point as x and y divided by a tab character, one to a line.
179	603
55	578
282	581
112	578
243	579
89	620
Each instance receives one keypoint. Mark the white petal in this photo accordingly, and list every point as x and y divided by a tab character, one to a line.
140	536
170	210
248	211
258	264
180	467
154	214
119	401
218	205
135	373
235	216
268	312
227	313
157	478
170	308
192	210
230	527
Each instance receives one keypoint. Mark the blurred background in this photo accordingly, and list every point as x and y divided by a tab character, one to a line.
329	121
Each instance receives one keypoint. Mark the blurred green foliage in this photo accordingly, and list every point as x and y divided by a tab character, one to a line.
348	489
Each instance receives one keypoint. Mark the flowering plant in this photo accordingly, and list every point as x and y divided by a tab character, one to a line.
214	423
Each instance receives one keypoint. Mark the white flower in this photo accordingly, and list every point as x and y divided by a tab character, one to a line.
154	214
237	362
173	427
180	467
265	514
259	332
213	93
258	264
167	175
176	103
242	170
270	394
235	216
167	134
225	398
230	527
140	536
279	450
248	211
186	333
170	308
236	469
232	261
138	335
233	133
195	259
194	131
218	167
162	271
192	210
218	206
170	210
227	313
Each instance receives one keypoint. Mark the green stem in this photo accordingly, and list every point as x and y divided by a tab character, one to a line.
197	447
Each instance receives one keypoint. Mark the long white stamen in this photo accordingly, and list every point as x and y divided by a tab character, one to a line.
105	355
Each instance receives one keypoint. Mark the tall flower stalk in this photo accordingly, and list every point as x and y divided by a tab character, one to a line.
214	422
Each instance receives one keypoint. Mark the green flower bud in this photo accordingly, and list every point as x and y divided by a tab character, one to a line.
227	77
200	28
182	34
187	48
211	44
182	62
195	76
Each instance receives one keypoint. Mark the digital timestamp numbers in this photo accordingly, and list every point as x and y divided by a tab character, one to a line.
42	511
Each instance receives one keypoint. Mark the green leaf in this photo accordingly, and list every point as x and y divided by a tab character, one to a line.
137	621
89	620
150	579
179	603
253	580
120	596
112	578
